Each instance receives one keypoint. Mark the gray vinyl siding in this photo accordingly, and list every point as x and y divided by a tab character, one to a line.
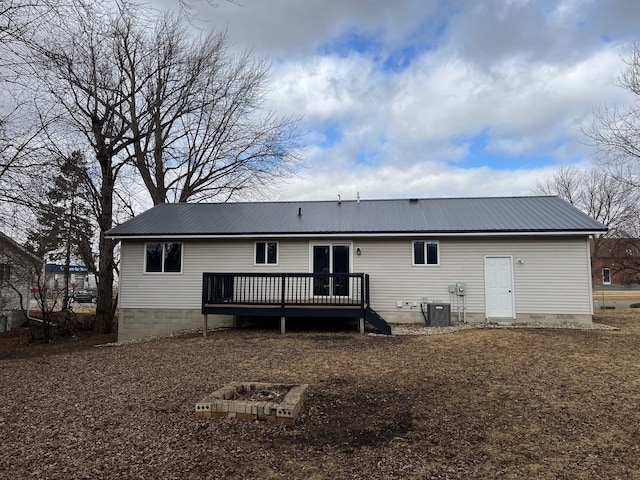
184	290
553	278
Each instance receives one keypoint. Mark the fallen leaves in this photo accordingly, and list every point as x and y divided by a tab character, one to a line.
471	404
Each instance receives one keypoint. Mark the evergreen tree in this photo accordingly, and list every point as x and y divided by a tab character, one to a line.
65	232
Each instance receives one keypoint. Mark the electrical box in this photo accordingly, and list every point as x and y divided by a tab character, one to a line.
461	289
452	289
439	314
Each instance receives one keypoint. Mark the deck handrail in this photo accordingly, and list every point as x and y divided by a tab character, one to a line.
283	289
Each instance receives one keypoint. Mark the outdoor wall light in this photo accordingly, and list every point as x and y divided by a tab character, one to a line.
358	251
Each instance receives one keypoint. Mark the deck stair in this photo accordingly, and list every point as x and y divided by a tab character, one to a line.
374	319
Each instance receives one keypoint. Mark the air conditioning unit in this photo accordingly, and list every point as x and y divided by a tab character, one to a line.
439	314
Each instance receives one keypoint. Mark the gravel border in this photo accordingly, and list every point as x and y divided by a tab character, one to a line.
418	329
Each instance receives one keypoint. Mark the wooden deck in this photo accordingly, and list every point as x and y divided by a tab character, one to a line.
311	310
285	294
290	295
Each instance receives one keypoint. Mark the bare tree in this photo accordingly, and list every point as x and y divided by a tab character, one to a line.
603	197
615	132
611	201
179	115
195	114
19	128
75	62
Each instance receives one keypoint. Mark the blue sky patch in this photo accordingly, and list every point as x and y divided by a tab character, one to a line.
332	134
425	38
479	156
371	156
401	58
353	41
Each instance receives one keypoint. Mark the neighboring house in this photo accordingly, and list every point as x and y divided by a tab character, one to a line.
17	266
616	262
521	259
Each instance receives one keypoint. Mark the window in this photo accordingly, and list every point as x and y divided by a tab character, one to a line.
163	257
425	253
606	276
266	253
5	272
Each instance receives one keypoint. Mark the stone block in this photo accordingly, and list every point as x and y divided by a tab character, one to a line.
224	401
203	408
284	412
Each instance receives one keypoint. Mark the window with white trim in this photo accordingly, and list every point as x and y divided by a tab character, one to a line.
266	253
426	252
606	276
163	258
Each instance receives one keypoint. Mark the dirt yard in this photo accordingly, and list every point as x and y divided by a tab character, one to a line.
471	404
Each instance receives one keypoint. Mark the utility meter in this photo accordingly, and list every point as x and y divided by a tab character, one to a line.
461	289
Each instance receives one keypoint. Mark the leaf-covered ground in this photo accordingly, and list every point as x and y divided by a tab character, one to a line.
470	404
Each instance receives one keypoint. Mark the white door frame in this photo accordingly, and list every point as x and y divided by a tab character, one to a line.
331	244
510	287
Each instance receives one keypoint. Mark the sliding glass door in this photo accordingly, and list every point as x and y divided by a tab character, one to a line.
335	259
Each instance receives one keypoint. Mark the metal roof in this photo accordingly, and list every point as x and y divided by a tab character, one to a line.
537	214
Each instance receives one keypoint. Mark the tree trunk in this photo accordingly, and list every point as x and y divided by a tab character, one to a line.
104	304
105	308
67	262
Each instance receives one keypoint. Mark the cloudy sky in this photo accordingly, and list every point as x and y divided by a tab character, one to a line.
434	98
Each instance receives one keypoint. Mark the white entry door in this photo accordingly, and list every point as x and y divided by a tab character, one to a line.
498	286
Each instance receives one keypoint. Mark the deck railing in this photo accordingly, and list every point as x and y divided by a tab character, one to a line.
284	289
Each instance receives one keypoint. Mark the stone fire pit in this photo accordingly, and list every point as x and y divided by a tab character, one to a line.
276	403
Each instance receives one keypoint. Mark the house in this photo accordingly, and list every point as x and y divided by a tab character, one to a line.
507	259
16	271
616	262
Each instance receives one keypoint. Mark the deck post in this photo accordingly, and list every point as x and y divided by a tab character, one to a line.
282	322
361	325
206	326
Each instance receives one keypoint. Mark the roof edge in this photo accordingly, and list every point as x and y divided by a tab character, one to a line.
504	233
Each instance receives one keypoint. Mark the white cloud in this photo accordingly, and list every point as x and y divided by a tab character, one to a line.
422	180
525	75
322	87
296	28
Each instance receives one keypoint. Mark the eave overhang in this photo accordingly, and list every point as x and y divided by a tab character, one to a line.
266	235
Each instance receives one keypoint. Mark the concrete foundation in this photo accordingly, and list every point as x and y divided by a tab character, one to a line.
134	323
414	317
137	323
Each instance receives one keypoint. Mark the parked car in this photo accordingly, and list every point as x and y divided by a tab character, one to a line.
85	296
